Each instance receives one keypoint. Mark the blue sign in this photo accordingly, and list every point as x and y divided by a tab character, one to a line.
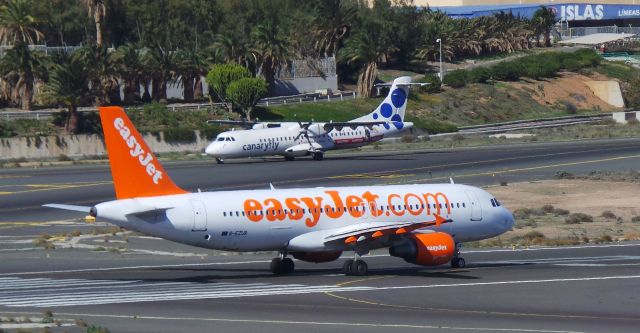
564	11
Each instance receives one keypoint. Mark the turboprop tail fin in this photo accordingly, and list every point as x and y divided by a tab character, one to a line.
135	170
393	107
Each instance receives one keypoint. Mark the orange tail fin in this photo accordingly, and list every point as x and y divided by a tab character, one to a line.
135	170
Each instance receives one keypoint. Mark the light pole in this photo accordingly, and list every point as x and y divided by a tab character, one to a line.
439	40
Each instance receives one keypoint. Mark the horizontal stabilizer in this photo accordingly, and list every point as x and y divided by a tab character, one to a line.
84	209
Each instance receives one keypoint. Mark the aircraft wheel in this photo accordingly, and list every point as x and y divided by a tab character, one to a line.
289	158
458	263
219	161
347	267
288	266
276	266
318	156
360	268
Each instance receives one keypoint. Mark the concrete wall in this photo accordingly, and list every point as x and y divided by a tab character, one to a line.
305	85
74	146
438	3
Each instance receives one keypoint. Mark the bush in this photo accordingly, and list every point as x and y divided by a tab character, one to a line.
532	235
571	64
522	213
434	86
507	71
587	57
560	212
456	79
479	75
172	135
607	214
565	175
548	209
577	218
635	219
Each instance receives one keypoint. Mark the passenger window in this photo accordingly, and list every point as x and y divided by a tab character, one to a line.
237	214
224	213
463	205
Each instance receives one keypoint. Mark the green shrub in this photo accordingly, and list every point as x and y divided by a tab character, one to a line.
607	214
434	84
507	71
532	235
479	75
209	132
548	209
571	64
635	219
522	213
587	57
456	79
178	134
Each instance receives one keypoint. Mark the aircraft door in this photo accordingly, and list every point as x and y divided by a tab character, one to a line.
476	208
199	216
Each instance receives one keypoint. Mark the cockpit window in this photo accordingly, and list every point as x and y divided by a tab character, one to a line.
220	138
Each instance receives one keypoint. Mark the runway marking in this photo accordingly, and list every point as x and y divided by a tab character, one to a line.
440	166
487	173
5	193
308	323
552	248
45	292
59	186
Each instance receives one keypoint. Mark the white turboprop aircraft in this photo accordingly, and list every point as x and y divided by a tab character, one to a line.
422	224
294	139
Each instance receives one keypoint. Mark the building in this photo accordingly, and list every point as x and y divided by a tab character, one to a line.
576	13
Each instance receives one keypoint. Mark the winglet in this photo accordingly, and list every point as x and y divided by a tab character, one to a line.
135	170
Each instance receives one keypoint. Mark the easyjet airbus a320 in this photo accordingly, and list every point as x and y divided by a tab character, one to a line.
422	224
295	139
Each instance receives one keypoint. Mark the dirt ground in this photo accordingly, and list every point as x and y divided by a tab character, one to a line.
578	196
570	87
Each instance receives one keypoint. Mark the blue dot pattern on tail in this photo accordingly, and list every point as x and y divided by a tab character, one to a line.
386	110
398	98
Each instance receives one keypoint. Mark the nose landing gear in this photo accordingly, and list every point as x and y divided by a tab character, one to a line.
219	160
457	261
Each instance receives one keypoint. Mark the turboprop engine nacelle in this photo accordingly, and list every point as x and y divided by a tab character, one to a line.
425	249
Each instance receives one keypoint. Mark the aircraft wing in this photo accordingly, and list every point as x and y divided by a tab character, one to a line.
358	233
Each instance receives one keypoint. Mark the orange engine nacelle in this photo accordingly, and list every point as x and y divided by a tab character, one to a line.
425	249
317	257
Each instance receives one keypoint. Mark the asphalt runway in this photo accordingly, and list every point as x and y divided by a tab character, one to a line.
159	286
574	289
23	191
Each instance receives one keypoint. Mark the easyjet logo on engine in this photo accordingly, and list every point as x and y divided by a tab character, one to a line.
438	247
334	205
144	158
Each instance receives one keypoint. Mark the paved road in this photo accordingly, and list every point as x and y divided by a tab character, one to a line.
23	191
576	289
160	286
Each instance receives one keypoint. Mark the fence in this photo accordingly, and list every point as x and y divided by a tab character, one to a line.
43	48
568	33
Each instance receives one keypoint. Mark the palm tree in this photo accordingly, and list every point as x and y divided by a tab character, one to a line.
20	67
190	66
543	21
128	64
332	23
159	65
16	24
68	86
368	46
272	49
102	73
98	10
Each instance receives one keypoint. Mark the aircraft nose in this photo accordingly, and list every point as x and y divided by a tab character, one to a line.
211	149
507	219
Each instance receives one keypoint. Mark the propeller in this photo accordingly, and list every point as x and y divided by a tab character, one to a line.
304	130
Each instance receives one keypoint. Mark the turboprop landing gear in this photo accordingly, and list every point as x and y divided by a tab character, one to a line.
219	160
357	267
318	156
282	265
457	261
289	158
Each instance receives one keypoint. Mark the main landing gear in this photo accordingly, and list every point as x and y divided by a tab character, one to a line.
457	261
289	158
357	267
219	160
282	265
318	156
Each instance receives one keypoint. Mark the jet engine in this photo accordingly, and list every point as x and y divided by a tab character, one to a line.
425	249
317	257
